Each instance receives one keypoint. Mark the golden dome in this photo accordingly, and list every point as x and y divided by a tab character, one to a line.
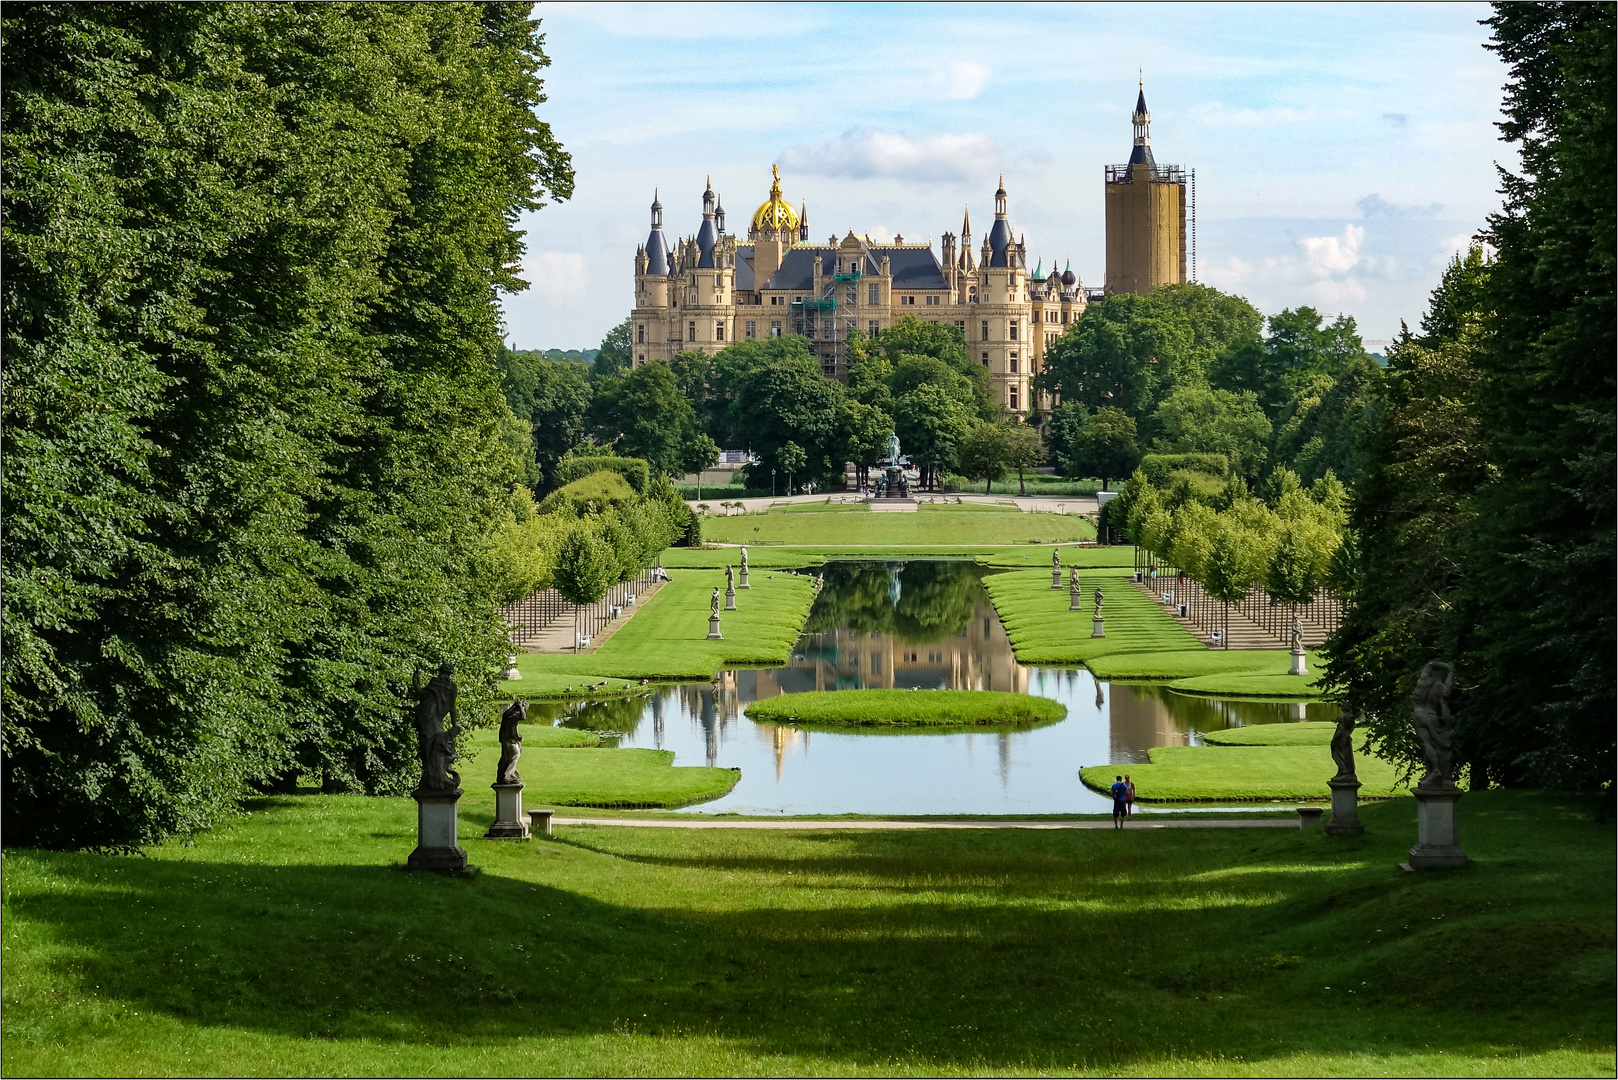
775	214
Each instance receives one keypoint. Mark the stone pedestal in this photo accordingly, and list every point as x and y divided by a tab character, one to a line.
1309	816
1298	666
436	845
542	821
1345	808
511	671
730	599
713	629
508	822
741	582
1056	577
1098	627
1438	844
1076	603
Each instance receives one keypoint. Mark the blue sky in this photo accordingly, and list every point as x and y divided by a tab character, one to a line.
1343	152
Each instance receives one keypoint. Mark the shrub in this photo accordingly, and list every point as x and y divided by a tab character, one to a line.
634	471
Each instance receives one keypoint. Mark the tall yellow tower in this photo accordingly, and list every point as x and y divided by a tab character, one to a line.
1146	239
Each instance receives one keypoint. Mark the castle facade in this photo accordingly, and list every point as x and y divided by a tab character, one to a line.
714	287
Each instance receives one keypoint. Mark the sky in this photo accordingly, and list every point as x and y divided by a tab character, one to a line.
1343	152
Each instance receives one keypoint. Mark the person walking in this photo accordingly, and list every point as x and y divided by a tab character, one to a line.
1129	796
1120	807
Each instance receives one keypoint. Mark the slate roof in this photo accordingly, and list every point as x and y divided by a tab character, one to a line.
744	269
913	268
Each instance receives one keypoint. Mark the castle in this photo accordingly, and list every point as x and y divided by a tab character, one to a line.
714	288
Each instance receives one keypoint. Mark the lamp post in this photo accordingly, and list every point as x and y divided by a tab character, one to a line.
772	482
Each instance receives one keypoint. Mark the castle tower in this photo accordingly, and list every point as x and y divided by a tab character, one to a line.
775	228
1146	208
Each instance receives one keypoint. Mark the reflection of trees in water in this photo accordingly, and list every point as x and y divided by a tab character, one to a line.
935	599
618	717
1191	713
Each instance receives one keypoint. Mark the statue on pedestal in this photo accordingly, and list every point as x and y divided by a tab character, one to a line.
510	743
434	702
1297	634
1433	728
1098	602
713	604
1342	745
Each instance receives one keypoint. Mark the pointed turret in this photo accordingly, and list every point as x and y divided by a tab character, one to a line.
1067	275
1000	243
719	214
708	235
657	252
1141	153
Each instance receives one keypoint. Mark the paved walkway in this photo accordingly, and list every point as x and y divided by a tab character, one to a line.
1031	504
1134	823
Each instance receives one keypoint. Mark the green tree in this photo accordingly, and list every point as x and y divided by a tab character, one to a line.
1461	296
1225	575
982	454
586	568
643	414
931	424
559	411
254	436
700	453
614	357
1127	352
1102	445
865	435
1024	450
1195	420
791	459
789	400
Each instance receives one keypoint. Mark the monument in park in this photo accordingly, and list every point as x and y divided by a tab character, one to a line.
1299	667
1437	841
1056	568
1098	626
1075	595
713	617
730	588
508	823
439	791
742	584
1345	786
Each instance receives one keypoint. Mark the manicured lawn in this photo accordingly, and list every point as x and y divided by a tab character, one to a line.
906	708
566	767
1241	773
1307	733
1143	642
1016	556
929	525
290	943
667	638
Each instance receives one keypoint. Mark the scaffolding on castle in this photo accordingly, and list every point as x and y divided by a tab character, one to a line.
817	320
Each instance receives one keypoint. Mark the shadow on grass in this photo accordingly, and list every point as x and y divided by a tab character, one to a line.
949	950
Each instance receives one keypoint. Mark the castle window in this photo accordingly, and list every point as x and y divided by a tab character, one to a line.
985	330
1064	316
960	324
873	294
1036	315
691	331
719	331
1013	365
875	327
1012	390
777	301
642	358
775	328
908	300
933	300
1013	329
640	334
985	359
752	330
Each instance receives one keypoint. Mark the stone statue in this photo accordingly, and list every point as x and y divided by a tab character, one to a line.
510	743
730	579
434	702
1056	558
893	447
744	558
1297	634
713	604
1073	581
1342	745
1433	729
1098	603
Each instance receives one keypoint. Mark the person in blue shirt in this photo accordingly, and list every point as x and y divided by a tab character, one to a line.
1120	804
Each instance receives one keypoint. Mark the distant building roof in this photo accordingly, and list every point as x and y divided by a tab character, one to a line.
744	267
912	267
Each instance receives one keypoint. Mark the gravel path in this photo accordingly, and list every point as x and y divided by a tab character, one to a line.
1134	823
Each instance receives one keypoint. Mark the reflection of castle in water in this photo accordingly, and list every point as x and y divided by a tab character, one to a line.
977	658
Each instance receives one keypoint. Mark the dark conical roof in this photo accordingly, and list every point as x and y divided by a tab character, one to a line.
1140	102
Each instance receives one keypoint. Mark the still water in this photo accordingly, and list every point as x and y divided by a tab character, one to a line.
926	624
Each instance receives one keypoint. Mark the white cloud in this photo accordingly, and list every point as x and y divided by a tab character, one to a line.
1215	114
557	277
1375	206
1333	254
961	79
863	153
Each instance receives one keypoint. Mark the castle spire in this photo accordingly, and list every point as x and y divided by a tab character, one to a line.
1141	153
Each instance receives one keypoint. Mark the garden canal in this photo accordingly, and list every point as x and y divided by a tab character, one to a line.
925	625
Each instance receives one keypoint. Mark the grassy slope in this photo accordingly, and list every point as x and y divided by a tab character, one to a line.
929	525
1142	642
906	708
667	638
1307	733
1242	773
1015	556
288	943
